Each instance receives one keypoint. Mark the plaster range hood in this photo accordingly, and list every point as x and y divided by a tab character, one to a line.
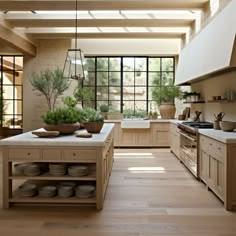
212	51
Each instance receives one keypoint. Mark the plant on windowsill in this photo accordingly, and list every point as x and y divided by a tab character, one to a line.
104	110
63	120
92	120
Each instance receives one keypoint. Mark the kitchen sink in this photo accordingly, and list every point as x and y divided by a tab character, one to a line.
135	123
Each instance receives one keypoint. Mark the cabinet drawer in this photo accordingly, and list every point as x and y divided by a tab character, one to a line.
52	155
80	155
161	126
204	143
24	154
216	148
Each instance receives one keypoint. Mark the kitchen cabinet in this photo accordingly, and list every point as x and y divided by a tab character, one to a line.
160	134
96	153
217	169
174	140
212	165
135	137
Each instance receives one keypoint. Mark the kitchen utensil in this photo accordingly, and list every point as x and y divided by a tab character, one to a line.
219	116
196	118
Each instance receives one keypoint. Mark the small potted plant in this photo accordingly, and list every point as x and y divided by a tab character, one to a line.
63	120
104	110
154	115
92	120
150	114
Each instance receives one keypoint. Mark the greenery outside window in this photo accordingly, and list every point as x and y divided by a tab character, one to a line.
126	83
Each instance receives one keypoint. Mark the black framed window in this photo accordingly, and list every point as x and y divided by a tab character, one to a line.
11	91
126	83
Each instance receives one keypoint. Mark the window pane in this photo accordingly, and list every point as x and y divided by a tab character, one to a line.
9	106
154	64
88	93
114	106
102	93
153	90
102	78
128	79
140	64
167	78
114	64
128	63
19	79
128	93
154	78
90	64
140	108
89	104
167	64
114	78
18	92
114	93
8	92
140	78
128	108
90	79
140	93
18	107
7	79
102	64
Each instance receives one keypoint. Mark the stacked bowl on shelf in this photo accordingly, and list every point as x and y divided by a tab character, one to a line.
27	190
57	169
47	191
85	191
77	170
32	170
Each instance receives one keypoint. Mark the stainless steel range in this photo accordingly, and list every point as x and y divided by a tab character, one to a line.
189	153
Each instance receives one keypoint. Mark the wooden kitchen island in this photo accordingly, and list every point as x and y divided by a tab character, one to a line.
95	152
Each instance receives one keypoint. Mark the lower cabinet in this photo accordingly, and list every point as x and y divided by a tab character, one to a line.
174	140
155	136
217	169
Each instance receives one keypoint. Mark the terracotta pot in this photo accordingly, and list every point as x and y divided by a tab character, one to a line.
62	128
167	110
93	127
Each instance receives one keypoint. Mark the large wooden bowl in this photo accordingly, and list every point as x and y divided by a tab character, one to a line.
62	128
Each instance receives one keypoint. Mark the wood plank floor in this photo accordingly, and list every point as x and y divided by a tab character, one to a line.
150	193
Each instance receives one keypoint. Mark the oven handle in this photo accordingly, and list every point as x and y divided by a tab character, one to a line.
186	136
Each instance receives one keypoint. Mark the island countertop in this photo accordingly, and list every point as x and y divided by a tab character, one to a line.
27	139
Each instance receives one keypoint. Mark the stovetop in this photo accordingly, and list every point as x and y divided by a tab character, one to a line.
198	125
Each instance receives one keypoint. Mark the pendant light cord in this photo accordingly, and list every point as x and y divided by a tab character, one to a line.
76	24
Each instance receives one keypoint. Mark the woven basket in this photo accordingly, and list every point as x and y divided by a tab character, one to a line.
93	127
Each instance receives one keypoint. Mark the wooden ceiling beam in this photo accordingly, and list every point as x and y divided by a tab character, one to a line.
13	40
163	35
101	22
60	5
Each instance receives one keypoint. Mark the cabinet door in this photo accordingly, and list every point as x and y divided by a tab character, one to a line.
204	165
160	138
172	142
144	137
116	134
128	137
212	168
219	182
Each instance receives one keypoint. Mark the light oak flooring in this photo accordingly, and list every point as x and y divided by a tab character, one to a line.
150	193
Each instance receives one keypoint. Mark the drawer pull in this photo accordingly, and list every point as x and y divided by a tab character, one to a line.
210	144
28	153
74	154
219	148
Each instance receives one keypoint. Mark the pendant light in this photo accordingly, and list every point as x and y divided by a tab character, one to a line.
73	67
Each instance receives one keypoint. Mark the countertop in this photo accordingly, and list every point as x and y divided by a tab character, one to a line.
175	121
222	136
62	140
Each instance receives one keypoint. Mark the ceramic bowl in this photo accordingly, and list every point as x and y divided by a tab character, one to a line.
227	126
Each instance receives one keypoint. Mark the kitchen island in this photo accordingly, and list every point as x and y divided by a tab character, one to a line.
96	153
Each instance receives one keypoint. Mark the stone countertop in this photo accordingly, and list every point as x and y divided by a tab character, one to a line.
28	139
175	121
222	136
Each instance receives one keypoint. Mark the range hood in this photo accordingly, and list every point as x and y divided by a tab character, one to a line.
212	51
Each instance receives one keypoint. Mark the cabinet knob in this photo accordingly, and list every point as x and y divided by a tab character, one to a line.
74	154
28	153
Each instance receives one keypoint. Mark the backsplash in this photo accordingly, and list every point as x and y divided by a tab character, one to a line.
217	86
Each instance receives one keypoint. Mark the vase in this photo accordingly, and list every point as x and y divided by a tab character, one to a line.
167	110
62	128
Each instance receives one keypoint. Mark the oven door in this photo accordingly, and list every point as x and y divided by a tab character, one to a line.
188	153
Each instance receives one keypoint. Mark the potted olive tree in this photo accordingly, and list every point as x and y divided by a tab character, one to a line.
51	84
164	96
